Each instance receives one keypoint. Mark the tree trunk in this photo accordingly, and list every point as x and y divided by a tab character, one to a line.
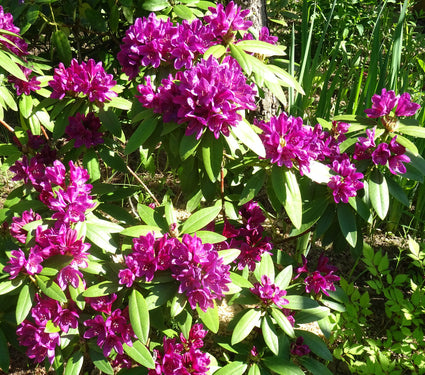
269	104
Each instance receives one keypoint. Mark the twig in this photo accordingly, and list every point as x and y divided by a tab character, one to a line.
7	126
143	184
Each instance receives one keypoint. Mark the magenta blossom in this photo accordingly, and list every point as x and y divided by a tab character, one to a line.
25	87
298	347
13	43
384	104
88	79
16	228
84	129
269	293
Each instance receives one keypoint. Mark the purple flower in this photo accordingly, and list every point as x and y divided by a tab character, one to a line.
322	279
381	154
33	264
102	304
25	87
269	293
16	228
13	43
16	263
69	275
84	129
405	107
287	142
298	347
397	158
224	21
347	181
209	95
364	146
202	275
382	104
88	79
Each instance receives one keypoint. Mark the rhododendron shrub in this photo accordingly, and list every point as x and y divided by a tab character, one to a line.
98	268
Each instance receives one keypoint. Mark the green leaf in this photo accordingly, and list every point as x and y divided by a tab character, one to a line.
140	354
347	223
246	134
177	305
297	302
10	66
63	48
119	102
379	193
311	315
284	277
266	267
140	230
99	232
282	366
110	121
207	236
74	364
210	318
76	294
114	18
8	98
316	344
269	334
25	108
414	131
285	185
24	304
319	172
216	50
155	5
104	288
188	145
240	280
50	288
232	368
314	366
254	369
260	47
252	187
139	315
91	163
200	219
212	155
229	255
283	322
183	12
9	285
4	353
241	57
100	361
245	325
142	133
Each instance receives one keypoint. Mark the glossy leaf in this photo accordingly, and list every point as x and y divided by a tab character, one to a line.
9	285
207	236
246	134
63	48
200	219
379	193
314	366
283	322
188	146
104	288
311	315
245	325
140	230
252	187
232	368
269	334
297	302
260	47
229	255
282	366
266	267
183	12
10	66
139	315
140	354
347	223
212	155
284	277
24	304
74	364
50	288
141	134
254	369
316	344
100	362
177	305
210	318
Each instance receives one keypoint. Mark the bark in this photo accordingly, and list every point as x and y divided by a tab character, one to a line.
269	105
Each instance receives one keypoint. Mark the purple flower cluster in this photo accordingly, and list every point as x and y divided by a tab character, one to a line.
25	87
111	331
184	357
69	199
154	42
298	347
41	342
269	293
289	143
209	95
84	130
60	240
322	279
388	103
392	153
14	44
201	273
88	79
249	238
346	182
